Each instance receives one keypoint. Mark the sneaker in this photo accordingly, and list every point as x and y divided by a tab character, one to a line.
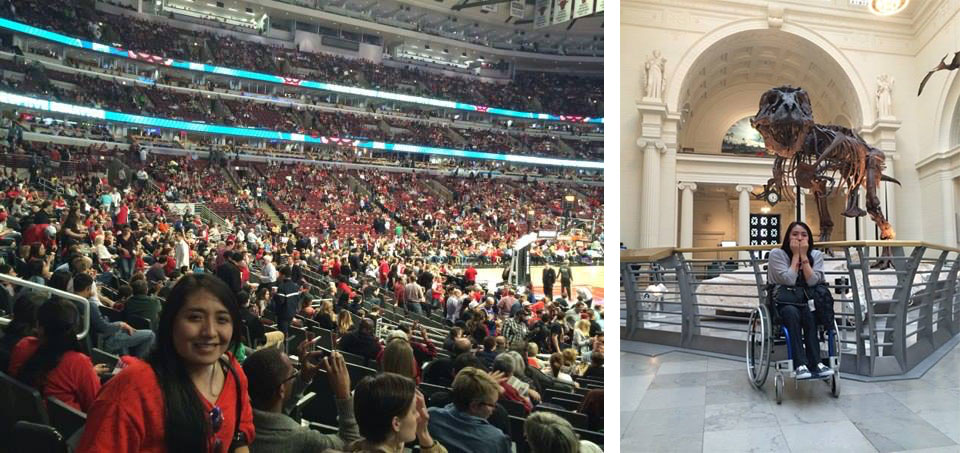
803	372
824	371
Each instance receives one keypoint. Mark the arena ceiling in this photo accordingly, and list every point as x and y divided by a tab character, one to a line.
475	27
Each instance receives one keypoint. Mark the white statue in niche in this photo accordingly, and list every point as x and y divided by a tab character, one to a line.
654	87
884	96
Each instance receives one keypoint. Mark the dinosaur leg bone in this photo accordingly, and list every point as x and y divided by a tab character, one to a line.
853	199
826	223
874	169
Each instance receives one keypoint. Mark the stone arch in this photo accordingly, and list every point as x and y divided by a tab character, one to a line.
674	89
948	114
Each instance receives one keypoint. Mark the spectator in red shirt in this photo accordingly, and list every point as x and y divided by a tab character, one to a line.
123	214
54	363
184	397
384	272
39	233
398	294
470	275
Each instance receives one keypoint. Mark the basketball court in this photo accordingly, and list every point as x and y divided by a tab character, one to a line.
588	276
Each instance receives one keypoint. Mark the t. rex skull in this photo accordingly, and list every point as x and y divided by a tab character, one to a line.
784	119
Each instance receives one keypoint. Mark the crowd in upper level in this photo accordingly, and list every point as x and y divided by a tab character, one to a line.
554	93
218	109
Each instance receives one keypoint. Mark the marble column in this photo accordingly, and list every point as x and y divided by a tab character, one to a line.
650	192
803	204
743	218
686	213
949	210
869	228
669	200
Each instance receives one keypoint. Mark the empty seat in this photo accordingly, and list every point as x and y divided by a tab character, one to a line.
37	438
20	403
64	417
576	419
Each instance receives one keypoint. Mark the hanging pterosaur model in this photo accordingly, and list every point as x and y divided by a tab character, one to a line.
943	65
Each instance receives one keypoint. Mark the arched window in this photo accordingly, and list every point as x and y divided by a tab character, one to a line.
743	139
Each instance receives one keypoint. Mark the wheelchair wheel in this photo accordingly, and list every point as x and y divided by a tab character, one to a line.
758	347
778	385
835	384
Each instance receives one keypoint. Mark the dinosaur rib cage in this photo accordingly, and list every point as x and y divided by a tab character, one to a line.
840	164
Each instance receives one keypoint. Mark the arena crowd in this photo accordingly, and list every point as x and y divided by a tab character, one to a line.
206	335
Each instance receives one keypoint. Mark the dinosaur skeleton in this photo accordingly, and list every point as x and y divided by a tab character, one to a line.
821	158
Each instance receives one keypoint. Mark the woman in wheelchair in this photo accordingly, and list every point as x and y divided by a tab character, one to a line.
796	268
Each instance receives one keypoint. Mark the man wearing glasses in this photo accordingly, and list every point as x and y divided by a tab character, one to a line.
462	425
275	385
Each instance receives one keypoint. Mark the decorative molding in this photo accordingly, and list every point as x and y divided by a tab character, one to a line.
849	30
744	188
775	16
880	125
691	186
945	161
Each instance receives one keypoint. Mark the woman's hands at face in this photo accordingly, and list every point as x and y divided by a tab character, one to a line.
423	417
795	245
804	246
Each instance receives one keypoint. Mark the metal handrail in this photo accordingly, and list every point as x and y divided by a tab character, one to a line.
56	292
657	253
888	328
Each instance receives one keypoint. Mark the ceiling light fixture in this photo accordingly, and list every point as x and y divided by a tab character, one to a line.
887	7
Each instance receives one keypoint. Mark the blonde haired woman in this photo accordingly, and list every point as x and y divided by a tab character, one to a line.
344	322
326	317
581	337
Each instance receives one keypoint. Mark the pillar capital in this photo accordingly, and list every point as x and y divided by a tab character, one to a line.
691	186
744	188
658	145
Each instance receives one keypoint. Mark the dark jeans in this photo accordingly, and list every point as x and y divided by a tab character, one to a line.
548	292
795	318
427	307
283	325
126	267
415	307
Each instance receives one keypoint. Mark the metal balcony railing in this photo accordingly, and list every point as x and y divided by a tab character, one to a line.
85	316
889	320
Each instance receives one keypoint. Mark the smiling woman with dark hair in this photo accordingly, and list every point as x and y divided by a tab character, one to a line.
796	268
190	395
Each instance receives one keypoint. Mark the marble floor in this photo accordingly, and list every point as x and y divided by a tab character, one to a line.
681	402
